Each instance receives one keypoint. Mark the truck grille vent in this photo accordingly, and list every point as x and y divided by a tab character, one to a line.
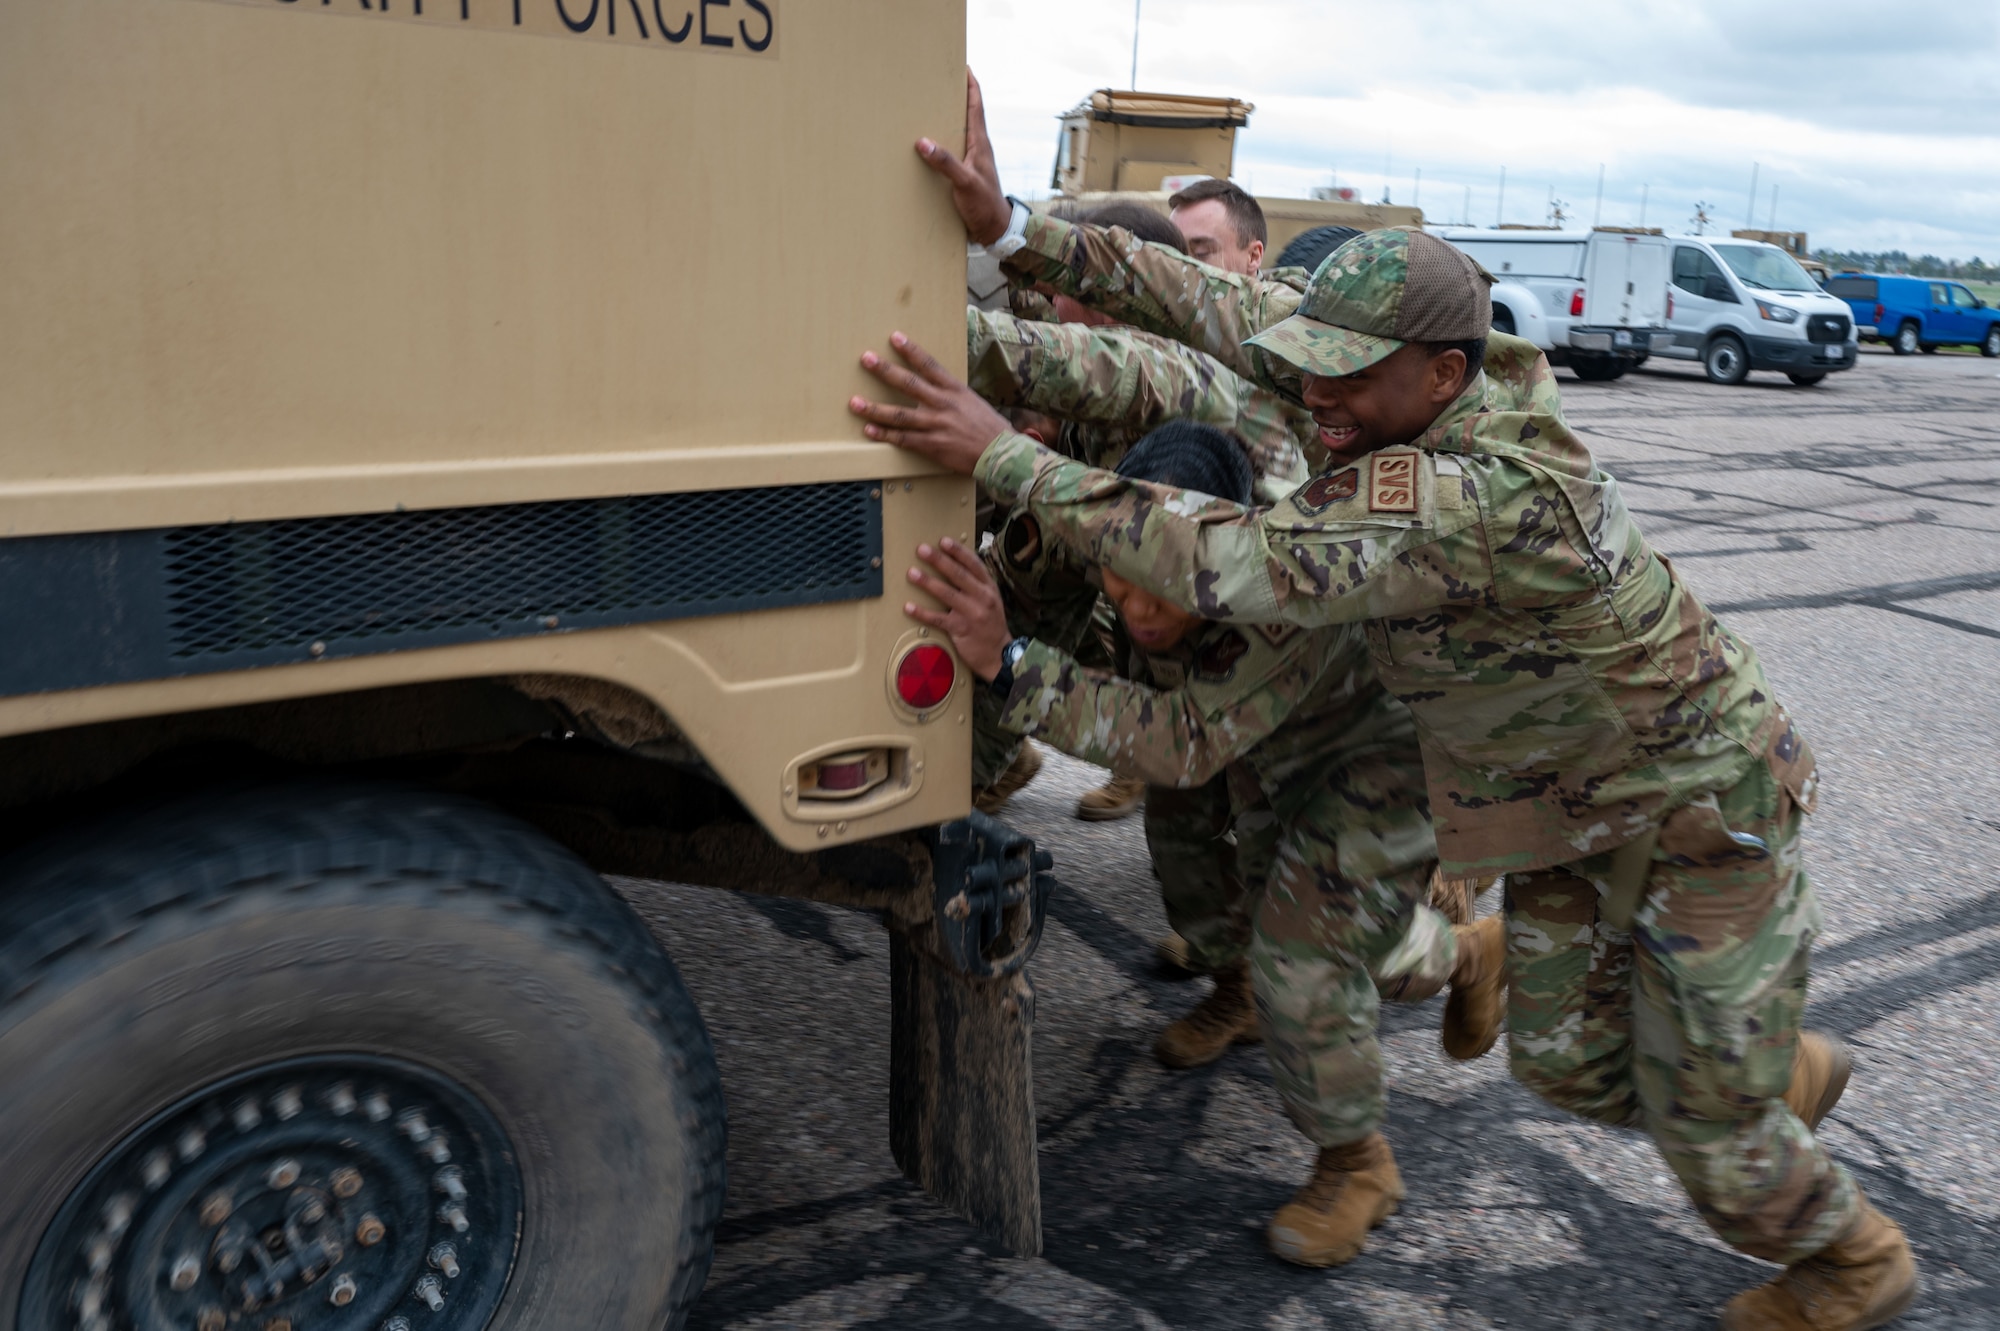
1827	328
379	581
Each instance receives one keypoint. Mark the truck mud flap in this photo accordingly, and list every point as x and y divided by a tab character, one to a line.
962	1018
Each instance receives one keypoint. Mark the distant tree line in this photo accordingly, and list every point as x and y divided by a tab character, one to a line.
1974	269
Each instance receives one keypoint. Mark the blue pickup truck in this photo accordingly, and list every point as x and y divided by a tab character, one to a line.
1915	314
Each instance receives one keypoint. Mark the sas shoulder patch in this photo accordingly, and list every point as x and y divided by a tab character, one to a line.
1392	481
1322	492
1217	658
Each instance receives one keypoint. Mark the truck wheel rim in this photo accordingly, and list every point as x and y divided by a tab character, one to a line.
1724	360
339	1193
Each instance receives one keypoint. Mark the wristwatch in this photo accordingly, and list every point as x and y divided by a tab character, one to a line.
1015	237
1002	683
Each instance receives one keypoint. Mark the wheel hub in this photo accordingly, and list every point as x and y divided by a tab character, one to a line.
327	1194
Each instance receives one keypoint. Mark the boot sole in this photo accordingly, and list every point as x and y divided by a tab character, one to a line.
1096	815
1290	1245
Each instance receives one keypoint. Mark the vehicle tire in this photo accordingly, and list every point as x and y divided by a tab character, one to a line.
275	1021
1726	361
1991	346
1503	320
1806	380
1909	339
1595	369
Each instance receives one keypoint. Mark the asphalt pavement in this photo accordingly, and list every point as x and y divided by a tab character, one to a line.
1852	532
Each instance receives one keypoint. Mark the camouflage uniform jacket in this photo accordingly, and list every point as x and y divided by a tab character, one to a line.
1569	690
1157	289
1120	384
1274	706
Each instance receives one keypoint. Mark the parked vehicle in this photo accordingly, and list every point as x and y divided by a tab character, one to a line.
1915	314
1592	300
1742	305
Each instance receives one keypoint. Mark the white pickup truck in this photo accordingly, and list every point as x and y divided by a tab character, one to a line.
1595	300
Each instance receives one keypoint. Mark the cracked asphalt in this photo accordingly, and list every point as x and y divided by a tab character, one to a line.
1852	532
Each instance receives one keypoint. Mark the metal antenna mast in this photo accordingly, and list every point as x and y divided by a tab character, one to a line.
1135	43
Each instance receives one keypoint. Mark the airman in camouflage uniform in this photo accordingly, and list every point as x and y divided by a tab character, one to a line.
1324	784
1108	387
1589	729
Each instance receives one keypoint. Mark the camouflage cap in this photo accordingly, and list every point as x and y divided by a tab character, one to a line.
1377	292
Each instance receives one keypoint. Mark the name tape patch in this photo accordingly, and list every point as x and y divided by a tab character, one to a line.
1392	483
741	27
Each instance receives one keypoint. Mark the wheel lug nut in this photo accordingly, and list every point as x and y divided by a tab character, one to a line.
346	1182
341	1099
186	1271
209	1320
313	1211
431	1293
216	1209
158	1166
451	1183
369	1232
376	1107
396	1324
342	1292
455	1217
246	1115
445	1258
438	1150
192	1143
414	1127
288	1102
283	1174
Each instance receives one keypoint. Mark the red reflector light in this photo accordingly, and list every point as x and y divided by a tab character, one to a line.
844	776
924	676
1878	313
1576	303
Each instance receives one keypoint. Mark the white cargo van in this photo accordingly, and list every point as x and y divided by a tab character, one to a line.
1592	300
1742	305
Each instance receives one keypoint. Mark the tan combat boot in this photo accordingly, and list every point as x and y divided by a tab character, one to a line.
1353	1189
1865	1278
1019	773
1172	954
1478	1002
1227	1016
1111	801
1820	1068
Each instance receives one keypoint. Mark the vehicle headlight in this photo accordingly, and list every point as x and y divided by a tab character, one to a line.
1781	314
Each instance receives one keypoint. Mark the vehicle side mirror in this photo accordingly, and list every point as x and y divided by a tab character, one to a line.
1717	288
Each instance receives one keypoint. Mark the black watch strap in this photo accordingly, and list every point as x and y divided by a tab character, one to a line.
1003	682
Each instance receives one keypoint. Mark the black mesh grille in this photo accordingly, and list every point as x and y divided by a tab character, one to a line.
373	582
1827	328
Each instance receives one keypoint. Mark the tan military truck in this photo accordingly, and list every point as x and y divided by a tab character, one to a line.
424	488
1132	145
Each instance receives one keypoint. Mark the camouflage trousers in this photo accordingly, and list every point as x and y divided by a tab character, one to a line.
1329	905
1686	1025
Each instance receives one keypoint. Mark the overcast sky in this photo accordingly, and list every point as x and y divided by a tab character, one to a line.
1878	121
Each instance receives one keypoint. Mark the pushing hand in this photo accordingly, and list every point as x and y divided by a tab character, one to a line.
973	616
950	424
975	180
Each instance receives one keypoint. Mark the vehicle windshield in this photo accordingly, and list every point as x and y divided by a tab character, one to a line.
1766	267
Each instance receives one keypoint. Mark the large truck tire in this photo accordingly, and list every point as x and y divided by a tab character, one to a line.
343	1057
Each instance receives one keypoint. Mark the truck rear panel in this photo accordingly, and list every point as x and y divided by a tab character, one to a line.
348	344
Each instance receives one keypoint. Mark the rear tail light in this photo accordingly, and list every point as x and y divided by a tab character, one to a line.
924	676
1576	303
843	776
1879	312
